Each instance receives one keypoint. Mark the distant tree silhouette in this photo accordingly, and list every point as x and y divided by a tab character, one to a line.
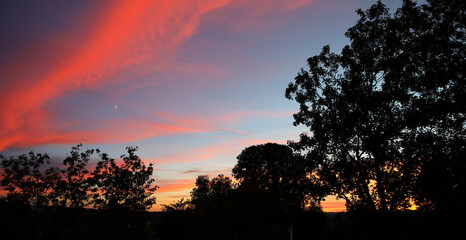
218	208
180	205
31	181
208	214
275	169
273	191
26	179
387	115
209	193
123	186
73	188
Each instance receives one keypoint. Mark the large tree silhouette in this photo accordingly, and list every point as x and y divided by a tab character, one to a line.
436	38
387	115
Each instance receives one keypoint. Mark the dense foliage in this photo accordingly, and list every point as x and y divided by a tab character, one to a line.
29	180
387	114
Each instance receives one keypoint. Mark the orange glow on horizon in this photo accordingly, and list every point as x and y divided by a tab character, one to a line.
177	186
331	204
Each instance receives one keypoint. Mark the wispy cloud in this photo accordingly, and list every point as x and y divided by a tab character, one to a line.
128	33
175	185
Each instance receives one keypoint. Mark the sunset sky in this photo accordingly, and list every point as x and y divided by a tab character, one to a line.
191	83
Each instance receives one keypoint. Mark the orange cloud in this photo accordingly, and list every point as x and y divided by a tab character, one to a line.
3	192
175	185
109	133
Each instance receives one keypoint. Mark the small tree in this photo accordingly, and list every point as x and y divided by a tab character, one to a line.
182	205
73	188
208	194
128	185
275	169
26	179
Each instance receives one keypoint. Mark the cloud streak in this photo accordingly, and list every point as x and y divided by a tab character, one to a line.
175	185
127	34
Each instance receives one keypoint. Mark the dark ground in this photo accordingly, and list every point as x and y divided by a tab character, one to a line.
53	223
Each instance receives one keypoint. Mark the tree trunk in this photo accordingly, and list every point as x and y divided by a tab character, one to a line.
367	198
379	174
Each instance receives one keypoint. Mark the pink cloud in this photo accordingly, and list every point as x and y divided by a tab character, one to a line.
245	15
126	34
135	37
108	133
227	147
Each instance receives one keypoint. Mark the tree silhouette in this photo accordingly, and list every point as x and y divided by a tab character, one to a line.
208	214
26	179
123	186
208	194
275	169
29	180
73	187
380	111
436	34
178	206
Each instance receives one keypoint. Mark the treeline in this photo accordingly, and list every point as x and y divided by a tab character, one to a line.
273	190
77	200
31	180
273	194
